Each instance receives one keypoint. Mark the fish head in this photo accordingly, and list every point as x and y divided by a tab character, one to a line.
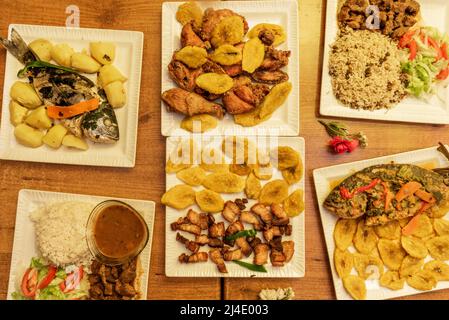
101	125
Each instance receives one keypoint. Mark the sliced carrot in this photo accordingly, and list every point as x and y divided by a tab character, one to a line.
425	206
407	190
411	225
425	196
56	112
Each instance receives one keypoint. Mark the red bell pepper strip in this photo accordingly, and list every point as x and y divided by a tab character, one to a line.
406	38
348	195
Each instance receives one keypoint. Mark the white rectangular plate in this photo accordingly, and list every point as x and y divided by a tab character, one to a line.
324	177
173	249
128	59
285	121
434	13
24	247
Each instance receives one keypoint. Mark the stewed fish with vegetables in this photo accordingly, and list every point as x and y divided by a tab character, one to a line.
387	192
58	105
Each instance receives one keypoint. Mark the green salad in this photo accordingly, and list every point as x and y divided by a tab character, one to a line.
42	281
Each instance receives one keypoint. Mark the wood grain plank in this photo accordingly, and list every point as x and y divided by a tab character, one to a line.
145	181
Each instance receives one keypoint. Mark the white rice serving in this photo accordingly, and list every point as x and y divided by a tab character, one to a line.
61	232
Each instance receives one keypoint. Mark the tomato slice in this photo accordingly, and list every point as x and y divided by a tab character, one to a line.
72	280
29	282
406	38
444	51
51	273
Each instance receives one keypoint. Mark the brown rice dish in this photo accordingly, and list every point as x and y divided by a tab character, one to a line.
366	71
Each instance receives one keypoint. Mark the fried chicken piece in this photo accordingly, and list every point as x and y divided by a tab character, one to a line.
234	228
190	38
190	245
231	211
233	70
232	255
217	230
261	254
288	248
217	258
270	233
275	59
241	81
190	228
212	17
189	103
212	67
270	77
243	244
199	219
244	98
263	213
250	218
182	75
193	258
202	239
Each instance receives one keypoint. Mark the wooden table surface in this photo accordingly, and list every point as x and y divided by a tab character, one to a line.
147	179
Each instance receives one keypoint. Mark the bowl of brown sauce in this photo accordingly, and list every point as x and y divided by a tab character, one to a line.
116	232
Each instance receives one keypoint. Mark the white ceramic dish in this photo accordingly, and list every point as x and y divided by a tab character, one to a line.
129	50
434	13
285	121
173	249
24	247
324	177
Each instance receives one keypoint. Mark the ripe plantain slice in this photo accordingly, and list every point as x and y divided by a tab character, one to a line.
365	239
422	280
414	246
438	247
391	230
441	226
344	233
391	280
439	269
391	253
344	262
410	266
368	266
355	286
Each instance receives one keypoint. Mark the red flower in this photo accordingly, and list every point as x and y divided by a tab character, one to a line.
341	145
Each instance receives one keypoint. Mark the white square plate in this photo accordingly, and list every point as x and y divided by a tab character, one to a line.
173	249
128	59
285	121
434	13
24	247
325	177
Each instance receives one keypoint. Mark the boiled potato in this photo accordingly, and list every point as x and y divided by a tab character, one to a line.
42	48
103	52
28	136
39	119
115	91
17	113
84	63
61	53
25	94
72	141
54	136
109	73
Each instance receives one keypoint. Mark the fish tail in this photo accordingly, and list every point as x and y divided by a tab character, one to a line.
18	48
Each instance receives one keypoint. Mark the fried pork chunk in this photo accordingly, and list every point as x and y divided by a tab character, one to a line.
261	254
193	258
251	218
263	213
190	245
217	230
288	248
217	258
199	219
231	255
186	227
243	244
231	211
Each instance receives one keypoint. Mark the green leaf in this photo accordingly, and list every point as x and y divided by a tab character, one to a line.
243	233
37	263
250	266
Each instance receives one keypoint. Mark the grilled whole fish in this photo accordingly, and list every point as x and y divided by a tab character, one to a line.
387	192
62	86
